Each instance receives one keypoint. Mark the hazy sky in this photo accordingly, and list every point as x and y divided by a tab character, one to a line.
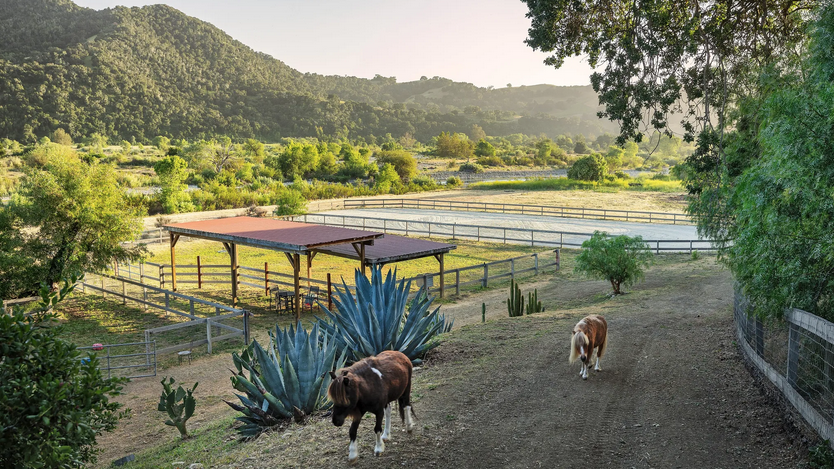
476	41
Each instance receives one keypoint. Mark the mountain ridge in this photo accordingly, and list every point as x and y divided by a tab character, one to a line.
133	73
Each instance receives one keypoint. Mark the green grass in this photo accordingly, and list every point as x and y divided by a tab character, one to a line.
564	184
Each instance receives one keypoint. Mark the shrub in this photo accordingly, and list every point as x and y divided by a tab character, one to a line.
590	168
424	183
375	319
286	380
490	161
471	168
619	259
453	181
622	175
54	403
290	202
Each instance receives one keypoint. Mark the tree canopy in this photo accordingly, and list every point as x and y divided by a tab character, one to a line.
68	216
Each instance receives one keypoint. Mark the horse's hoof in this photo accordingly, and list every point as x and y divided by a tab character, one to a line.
377	453
353	461
584	377
409	430
386	439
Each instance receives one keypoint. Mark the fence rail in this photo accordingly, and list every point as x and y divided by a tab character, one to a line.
507	235
267	280
797	356
145	359
523	209
189	307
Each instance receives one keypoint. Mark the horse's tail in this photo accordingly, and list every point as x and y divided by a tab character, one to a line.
574	355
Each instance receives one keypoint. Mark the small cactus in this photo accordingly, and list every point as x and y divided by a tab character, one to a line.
515	303
533	303
179	405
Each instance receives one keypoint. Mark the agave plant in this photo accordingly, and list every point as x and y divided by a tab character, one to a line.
376	319
289	379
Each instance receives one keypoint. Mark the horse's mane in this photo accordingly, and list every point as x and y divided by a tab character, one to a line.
337	392
574	354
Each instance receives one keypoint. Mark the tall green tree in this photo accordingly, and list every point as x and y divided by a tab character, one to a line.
782	232
68	216
172	174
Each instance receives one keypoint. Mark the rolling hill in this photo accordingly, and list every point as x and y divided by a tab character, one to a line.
134	73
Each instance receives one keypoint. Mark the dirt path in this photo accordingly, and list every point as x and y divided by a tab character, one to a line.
673	391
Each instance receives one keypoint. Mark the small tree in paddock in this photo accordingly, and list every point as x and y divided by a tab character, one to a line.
618	259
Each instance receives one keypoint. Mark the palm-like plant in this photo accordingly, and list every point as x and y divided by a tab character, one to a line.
375	319
288	379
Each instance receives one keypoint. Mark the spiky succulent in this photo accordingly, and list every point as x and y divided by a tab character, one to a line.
376	318
288	379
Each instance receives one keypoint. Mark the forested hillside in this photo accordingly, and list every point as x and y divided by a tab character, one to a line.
134	73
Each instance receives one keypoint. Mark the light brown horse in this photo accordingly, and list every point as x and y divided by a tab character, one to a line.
370	385
590	333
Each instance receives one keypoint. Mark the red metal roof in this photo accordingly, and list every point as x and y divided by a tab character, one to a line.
268	233
391	248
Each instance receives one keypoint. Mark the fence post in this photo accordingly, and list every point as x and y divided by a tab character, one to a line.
108	363
486	274
457	282
162	276
199	273
208	333
558	259
453	229
124	293
505	236
246	327
793	354
145	298
266	278
512	268
191	306
147	349
479	233
536	262
167	303
141	272
760	337
658	246
103	294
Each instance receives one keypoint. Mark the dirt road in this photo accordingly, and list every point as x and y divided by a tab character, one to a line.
673	391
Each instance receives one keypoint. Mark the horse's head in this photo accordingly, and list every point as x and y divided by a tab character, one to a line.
343	391
579	346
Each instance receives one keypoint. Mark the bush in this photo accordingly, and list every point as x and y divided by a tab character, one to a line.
490	161
54	402
622	175
424	183
471	168
618	259
590	168
453	181
290	202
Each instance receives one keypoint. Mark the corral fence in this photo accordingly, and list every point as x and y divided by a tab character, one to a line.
128	360
797	356
9	305
442	176
266	280
203	322
522	209
508	235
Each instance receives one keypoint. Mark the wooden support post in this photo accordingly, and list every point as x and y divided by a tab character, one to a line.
536	262
558	259
329	293
246	327
439	258
199	273
174	238
124	293
266	278
457	282
235	273
297	285
486	274
208	333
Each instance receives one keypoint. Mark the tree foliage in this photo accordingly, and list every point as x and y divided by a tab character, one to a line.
590	168
68	216
619	259
782	229
54	403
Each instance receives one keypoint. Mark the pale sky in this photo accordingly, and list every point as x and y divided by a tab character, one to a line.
475	41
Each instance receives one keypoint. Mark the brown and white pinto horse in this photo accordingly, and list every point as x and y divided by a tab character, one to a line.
370	385
589	333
